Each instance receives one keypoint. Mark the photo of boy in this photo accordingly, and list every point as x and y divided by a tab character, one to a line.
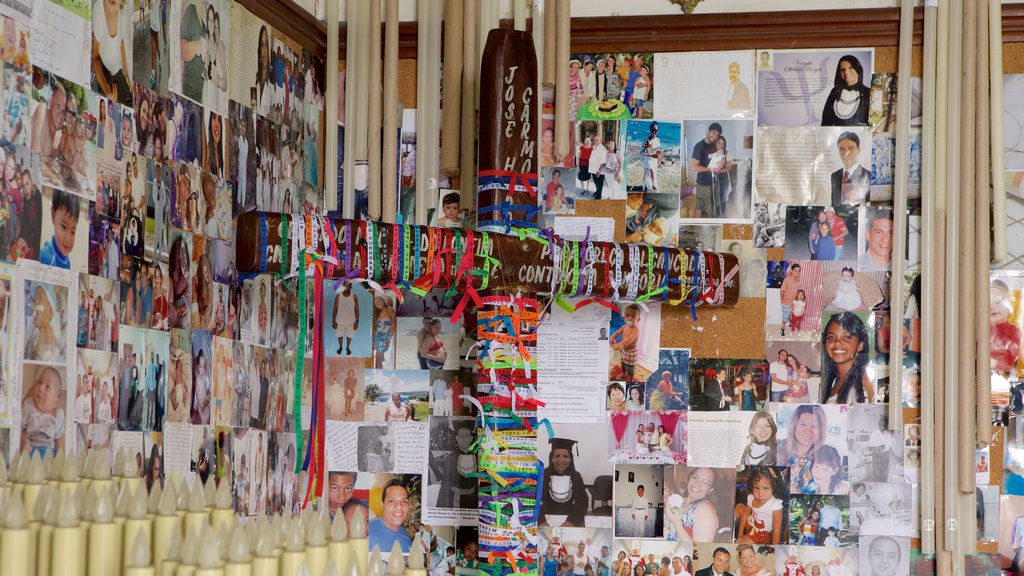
64	212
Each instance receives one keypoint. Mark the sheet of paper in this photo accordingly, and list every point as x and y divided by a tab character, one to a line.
572	228
341	445
706	85
61	42
575	361
178	448
18	10
717	439
410	447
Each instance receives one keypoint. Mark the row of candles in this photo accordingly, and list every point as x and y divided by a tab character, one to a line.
71	516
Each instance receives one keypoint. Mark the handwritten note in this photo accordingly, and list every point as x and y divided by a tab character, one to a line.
341	445
178	448
61	42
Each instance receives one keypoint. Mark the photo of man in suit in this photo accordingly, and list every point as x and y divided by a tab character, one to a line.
719	564
852	182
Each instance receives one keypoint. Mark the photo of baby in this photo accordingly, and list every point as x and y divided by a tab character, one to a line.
45	321
43	409
634	341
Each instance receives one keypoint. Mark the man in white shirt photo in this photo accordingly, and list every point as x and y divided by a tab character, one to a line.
780	376
641	508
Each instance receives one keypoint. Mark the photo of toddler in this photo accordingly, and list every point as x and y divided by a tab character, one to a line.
42	414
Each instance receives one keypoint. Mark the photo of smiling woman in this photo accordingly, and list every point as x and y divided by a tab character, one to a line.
845	379
848	102
698	504
565	494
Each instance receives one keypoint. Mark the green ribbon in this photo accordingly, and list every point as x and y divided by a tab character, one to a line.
300	359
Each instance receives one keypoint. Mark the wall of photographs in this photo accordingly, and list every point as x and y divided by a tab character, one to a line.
133	134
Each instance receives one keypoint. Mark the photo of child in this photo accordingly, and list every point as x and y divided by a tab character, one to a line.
43	407
61	229
559	190
450	213
820	521
761	495
45	321
634	343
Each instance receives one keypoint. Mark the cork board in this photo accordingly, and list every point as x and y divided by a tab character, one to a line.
614	209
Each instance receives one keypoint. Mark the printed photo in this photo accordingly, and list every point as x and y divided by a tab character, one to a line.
46	321
447	388
699	503
634	341
653	156
700	237
344	389
577	548
820	521
64	133
559	190
577	489
847	375
668	388
819	560
652	218
826	88
450	468
396	504
600	159
636	507
179	381
762	505
813	443
877	509
719	170
648	437
706	84
794	299
397	395
794	372
884	555
45	404
876	453
722	385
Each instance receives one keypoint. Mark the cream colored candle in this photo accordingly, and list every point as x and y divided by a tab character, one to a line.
295	553
140	563
265	563
44	543
132	473
375	563
173	553
137	522
338	548
5	484
209	492
86	506
66	547
239	558
197	514
118	469
101	481
54	465
165	523
396	562
210	563
223	515
189	560
16	538
983	246
35	478
358	539
69	474
104	539
417	564
316	547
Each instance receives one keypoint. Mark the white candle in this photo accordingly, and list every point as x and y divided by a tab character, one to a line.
550	58
104	540
349	90
66	548
137	523
265	563
44	544
338	548
375	566
189	560
982	245
197	514
417	566
239	558
165	523
357	539
16	539
169	567
295	553
139	564
223	515
209	554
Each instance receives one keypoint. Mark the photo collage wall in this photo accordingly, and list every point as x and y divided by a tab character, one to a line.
780	462
134	133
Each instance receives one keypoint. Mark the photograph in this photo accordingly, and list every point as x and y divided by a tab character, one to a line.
96	390
376	451
770	222
639	501
762	503
820	521
113	42
599	159
45	403
451	465
653	156
63	230
46	322
559	190
719	170
847	377
435	340
706	84
723	385
179	379
397	395
66	142
874	245
877	509
583	550
821	232
648	437
446	390
668	387
634	342
699	503
816	560
450	213
600	84
794	371
652	218
740	559
794	299
753	270
632	556
396	504
884	555
812	442
700	237
577	487
794	89
344	389
876	453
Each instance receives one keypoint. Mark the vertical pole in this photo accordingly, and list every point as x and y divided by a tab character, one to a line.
928	288
389	174
331	107
375	104
470	75
428	105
